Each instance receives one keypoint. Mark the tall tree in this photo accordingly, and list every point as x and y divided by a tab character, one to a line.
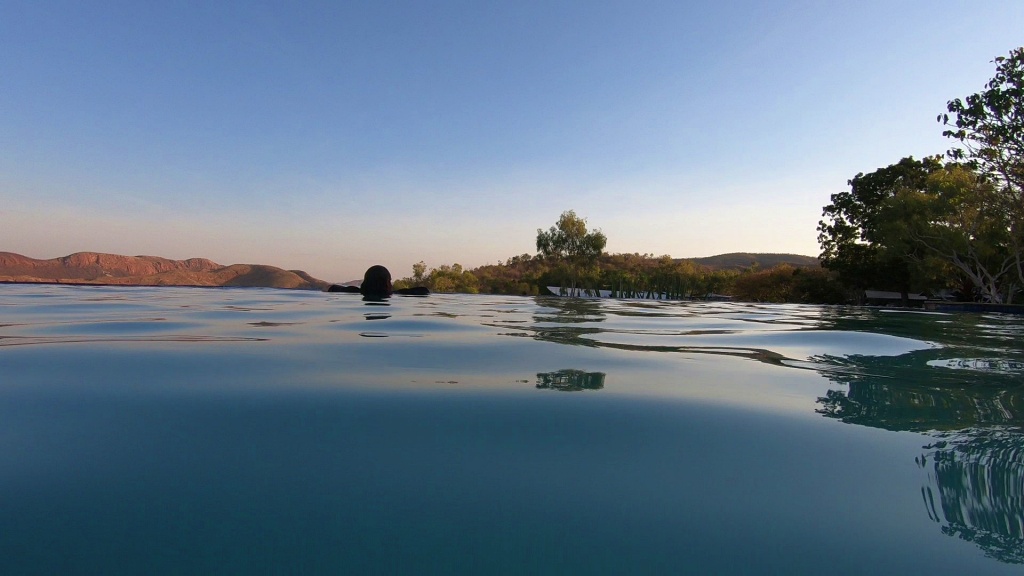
989	126
852	240
957	219
419	271
569	241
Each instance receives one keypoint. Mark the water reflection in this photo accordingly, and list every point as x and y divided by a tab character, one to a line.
569	311
991	365
570	380
975	469
979	479
902	406
793	336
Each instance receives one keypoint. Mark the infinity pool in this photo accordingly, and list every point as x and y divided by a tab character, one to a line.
185	431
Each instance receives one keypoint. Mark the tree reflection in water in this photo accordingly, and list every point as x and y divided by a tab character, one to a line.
980	480
570	380
975	485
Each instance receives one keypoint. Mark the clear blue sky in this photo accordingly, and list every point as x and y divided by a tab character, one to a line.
328	136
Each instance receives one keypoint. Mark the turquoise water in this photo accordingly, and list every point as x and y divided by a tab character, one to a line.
175	430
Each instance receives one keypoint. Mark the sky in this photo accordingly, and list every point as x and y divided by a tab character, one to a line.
330	136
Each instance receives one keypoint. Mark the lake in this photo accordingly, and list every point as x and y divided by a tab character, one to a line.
185	431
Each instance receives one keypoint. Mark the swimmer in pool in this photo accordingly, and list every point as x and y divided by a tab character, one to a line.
377	284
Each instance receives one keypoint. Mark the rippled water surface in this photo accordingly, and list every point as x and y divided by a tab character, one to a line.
175	430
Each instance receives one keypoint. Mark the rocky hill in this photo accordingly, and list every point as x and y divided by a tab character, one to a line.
744	260
95	268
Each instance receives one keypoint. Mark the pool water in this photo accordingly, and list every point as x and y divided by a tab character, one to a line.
184	431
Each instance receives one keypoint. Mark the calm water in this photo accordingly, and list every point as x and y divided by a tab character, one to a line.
170	430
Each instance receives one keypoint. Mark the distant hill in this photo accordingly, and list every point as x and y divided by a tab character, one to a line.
96	268
743	260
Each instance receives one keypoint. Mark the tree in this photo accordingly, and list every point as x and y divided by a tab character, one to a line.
989	126
958	219
569	242
785	283
853	242
444	278
452	278
419	271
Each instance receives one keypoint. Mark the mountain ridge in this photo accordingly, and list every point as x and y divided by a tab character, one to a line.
114	269
763	260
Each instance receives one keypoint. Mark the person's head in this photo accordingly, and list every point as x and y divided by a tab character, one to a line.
376	282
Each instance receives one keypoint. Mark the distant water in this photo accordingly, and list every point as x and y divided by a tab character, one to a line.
216	431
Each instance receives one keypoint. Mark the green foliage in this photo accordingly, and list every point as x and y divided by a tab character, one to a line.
989	126
569	239
920	226
573	249
519	275
636	275
853	239
444	278
784	283
958	219
419	271
640	275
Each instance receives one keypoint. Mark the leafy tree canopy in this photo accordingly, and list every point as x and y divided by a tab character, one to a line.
569	239
956	219
989	126
852	238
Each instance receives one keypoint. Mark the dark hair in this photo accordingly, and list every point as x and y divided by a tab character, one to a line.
376	282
